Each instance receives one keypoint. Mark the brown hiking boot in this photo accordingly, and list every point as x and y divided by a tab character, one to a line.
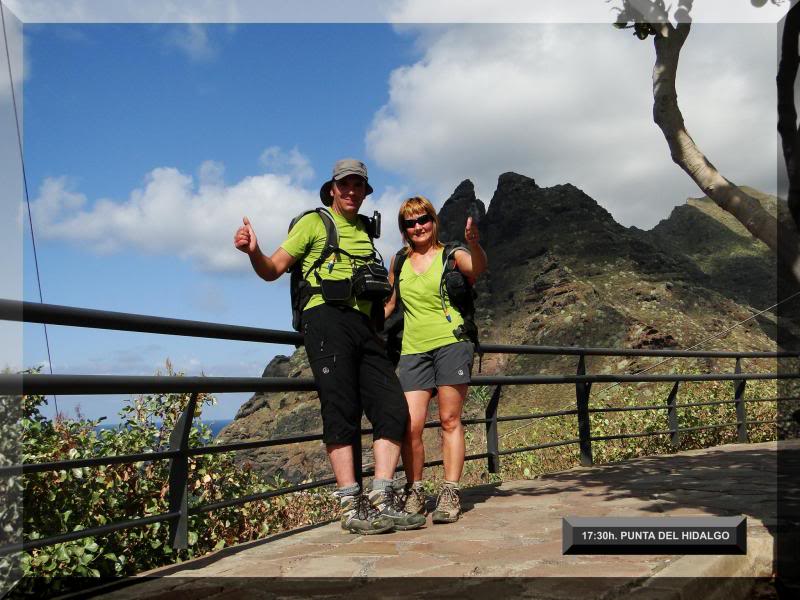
415	501
360	516
448	505
388	504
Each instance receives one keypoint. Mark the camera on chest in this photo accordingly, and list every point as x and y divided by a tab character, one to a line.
371	282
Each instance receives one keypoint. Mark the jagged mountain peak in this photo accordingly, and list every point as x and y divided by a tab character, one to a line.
563	272
454	212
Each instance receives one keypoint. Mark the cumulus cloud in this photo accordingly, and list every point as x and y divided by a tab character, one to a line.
173	213
558	11
294	164
388	205
572	103
365	11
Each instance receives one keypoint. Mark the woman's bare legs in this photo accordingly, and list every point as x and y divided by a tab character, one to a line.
451	403
413	450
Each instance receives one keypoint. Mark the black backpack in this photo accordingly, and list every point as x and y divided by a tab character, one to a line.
453	283
300	289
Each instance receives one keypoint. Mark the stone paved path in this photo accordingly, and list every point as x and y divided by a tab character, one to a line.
513	531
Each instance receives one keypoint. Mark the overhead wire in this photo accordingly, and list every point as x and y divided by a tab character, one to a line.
25	187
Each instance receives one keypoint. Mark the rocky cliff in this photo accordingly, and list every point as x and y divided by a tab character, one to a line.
562	273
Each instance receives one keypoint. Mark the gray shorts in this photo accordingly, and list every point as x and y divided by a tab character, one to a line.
448	365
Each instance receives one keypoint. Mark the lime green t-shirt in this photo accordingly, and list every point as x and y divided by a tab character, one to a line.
425	325
307	239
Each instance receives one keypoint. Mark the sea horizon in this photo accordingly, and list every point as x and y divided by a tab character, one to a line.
216	425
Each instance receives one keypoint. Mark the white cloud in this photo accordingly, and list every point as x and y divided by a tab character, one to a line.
388	204
573	103
192	40
294	164
173	214
560	11
362	11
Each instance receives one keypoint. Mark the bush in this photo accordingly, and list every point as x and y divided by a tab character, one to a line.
10	488
74	499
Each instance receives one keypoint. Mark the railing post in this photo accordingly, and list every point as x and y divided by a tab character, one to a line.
582	391
672	416
179	476
741	410
492	439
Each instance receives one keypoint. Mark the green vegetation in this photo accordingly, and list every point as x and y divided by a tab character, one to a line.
547	460
10	487
74	499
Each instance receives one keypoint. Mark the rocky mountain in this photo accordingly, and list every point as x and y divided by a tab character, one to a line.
562	272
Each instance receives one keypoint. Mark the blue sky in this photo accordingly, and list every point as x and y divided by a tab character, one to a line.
145	144
107	104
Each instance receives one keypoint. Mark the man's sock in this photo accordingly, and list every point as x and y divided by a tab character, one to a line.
347	492
452	484
378	485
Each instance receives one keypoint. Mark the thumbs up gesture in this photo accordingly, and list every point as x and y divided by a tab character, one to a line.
471	233
245	238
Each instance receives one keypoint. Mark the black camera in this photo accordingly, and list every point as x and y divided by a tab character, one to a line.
371	282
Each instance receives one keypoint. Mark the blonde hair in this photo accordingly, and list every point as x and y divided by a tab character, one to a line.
412	206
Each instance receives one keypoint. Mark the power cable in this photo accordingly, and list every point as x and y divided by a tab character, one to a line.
25	186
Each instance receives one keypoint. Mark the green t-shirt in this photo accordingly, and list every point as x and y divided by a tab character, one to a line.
425	325
307	239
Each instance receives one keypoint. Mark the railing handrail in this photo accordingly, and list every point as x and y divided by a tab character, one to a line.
180	451
56	314
32	383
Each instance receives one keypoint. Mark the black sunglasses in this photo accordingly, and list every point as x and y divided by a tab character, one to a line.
422	219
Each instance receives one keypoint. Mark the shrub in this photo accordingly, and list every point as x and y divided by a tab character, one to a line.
79	498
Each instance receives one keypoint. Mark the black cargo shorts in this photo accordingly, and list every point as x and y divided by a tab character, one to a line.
352	374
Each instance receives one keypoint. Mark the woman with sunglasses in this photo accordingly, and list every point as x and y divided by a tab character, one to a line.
433	360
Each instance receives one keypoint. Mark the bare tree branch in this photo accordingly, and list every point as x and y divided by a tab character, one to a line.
782	239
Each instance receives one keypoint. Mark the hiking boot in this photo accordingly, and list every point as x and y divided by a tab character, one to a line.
360	516
415	501
388	503
448	506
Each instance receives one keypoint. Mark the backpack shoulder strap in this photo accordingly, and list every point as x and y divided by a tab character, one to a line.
331	235
397	266
449	256
399	259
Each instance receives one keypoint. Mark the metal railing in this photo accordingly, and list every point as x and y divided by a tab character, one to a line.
180	452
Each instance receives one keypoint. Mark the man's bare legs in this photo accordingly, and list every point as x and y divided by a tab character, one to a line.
386	452
341	457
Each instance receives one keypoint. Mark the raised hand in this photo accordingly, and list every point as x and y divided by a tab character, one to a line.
245	238
471	233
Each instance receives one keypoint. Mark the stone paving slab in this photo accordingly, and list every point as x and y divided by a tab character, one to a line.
513	532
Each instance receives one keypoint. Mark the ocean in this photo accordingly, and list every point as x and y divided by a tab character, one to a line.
216	425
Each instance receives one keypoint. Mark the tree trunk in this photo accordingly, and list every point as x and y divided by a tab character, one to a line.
782	239
787	113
